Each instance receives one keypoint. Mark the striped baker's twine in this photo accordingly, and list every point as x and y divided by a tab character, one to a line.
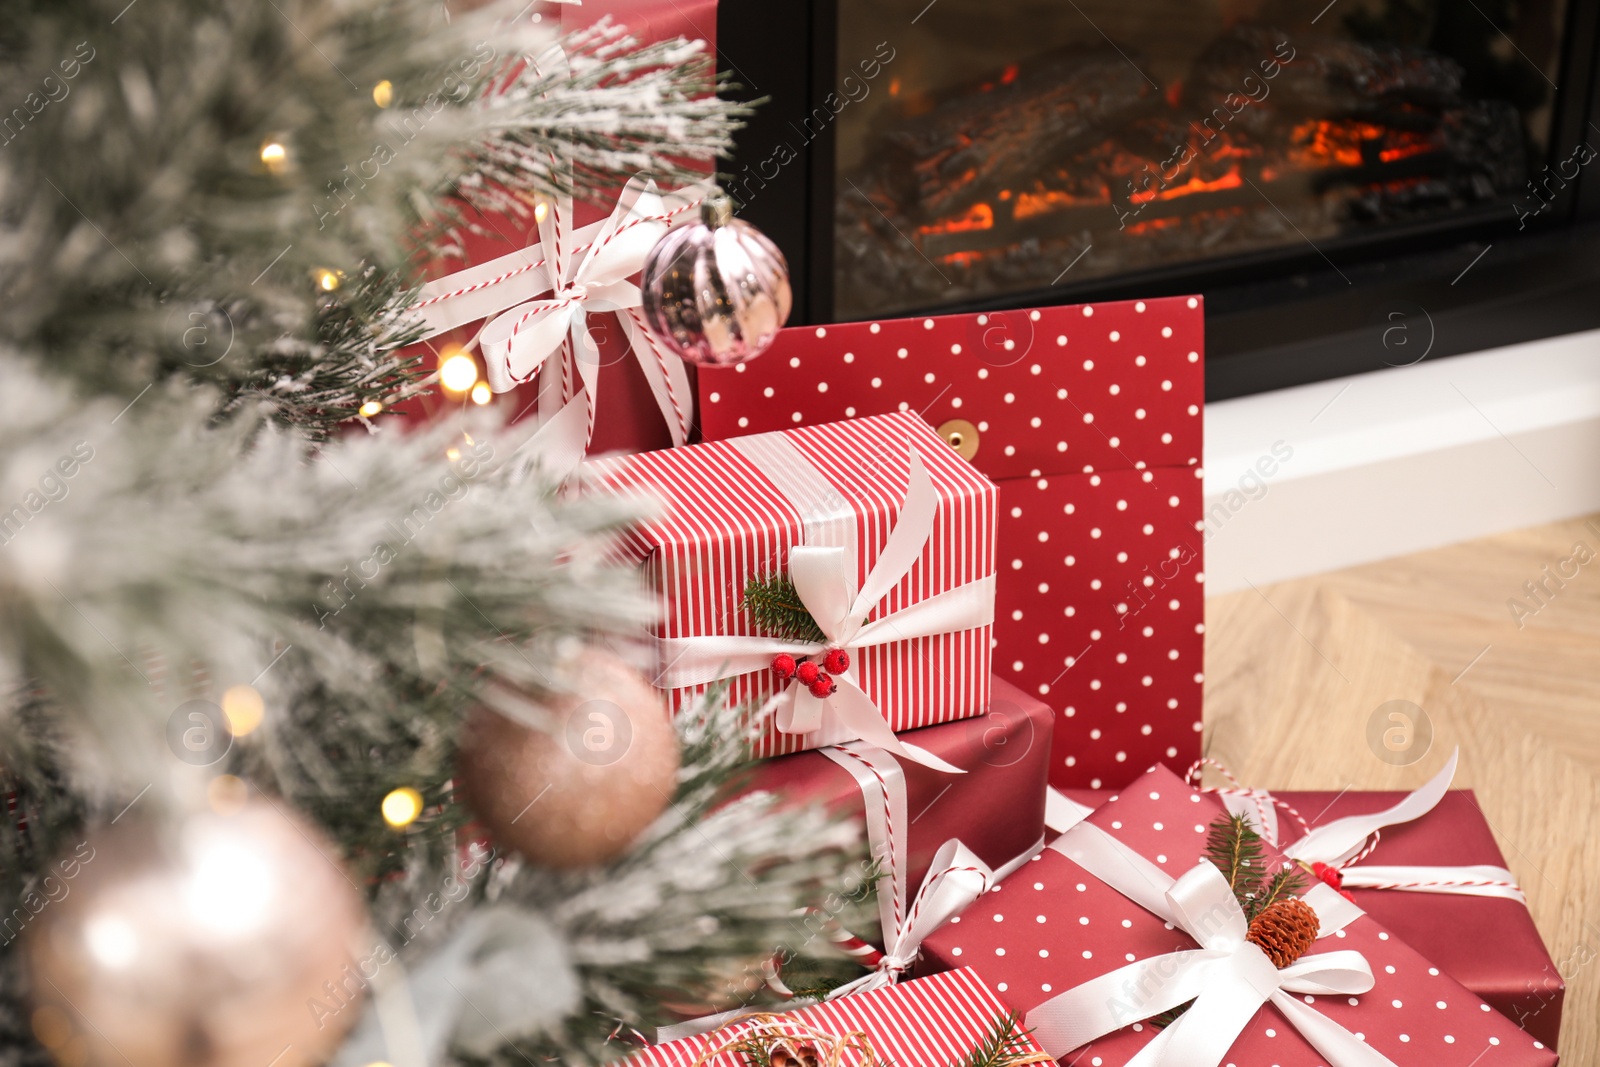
1447	883
1193	778
579	250
888	821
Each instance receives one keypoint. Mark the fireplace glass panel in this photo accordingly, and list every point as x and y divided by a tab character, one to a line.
987	147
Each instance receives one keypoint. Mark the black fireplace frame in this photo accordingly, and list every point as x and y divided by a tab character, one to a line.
1275	318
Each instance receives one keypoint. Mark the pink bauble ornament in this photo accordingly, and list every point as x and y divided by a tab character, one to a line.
570	779
215	941
716	292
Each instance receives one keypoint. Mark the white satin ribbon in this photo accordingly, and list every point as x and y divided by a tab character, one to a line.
1227	977
956	878
1061	812
824	578
584	271
1339	840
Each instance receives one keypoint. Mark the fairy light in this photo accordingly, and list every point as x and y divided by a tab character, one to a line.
227	794
383	93
481	393
540	210
244	708
327	280
452	454
459	372
401	807
371	408
274	156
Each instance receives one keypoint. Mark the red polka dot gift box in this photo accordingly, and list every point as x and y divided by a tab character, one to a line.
1123	944
1089	420
838	579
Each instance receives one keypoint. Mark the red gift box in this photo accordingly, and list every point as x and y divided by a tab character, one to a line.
1504	961
889	539
932	1022
1053	926
996	808
1089	420
633	418
1427	868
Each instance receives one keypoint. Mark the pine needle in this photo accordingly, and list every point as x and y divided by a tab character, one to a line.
1236	850
776	608
1006	1040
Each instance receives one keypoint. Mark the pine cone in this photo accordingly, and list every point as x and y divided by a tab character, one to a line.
1284	930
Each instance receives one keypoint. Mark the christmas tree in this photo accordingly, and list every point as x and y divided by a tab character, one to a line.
234	631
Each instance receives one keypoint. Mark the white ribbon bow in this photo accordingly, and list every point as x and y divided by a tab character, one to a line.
955	879
1227	977
1339	841
824	580
584	271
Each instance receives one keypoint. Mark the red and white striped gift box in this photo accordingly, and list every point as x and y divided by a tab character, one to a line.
931	1022
728	519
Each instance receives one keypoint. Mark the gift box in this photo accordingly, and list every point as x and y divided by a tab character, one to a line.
932	1022
642	395
1504	961
1075	955
1435	870
996	807
886	539
1089	419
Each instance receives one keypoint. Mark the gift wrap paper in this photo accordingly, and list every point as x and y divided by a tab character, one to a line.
1052	926
996	808
931	1022
1089	419
1488	945
725	521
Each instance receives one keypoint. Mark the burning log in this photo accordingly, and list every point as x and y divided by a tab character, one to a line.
975	143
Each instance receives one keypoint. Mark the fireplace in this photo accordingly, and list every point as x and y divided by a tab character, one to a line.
1355	185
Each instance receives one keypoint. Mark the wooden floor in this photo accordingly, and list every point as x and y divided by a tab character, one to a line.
1294	671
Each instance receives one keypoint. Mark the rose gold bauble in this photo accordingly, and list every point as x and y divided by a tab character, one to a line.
576	789
212	943
716	292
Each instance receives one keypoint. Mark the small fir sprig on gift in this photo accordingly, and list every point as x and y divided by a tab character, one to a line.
776	608
1281	925
1005	1046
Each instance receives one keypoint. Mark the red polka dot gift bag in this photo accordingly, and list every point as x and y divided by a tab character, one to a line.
1089	420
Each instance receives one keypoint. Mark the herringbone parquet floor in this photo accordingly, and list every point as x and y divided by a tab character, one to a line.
1295	670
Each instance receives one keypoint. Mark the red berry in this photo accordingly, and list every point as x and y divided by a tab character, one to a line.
807	672
783	666
822	686
1351	897
837	661
1329	875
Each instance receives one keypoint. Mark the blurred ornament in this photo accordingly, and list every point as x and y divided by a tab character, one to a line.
716	292
218	941
576	789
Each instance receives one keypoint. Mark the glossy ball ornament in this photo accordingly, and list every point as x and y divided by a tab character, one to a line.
215	941
716	292
571	779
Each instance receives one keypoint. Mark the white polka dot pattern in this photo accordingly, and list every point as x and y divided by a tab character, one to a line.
1400	1017
1084	419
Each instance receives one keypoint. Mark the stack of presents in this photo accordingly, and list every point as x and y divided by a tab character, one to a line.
953	567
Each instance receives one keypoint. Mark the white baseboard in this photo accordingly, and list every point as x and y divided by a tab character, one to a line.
1400	460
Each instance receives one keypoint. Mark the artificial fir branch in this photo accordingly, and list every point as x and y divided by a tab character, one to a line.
1236	850
777	610
1006	1040
1289	882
